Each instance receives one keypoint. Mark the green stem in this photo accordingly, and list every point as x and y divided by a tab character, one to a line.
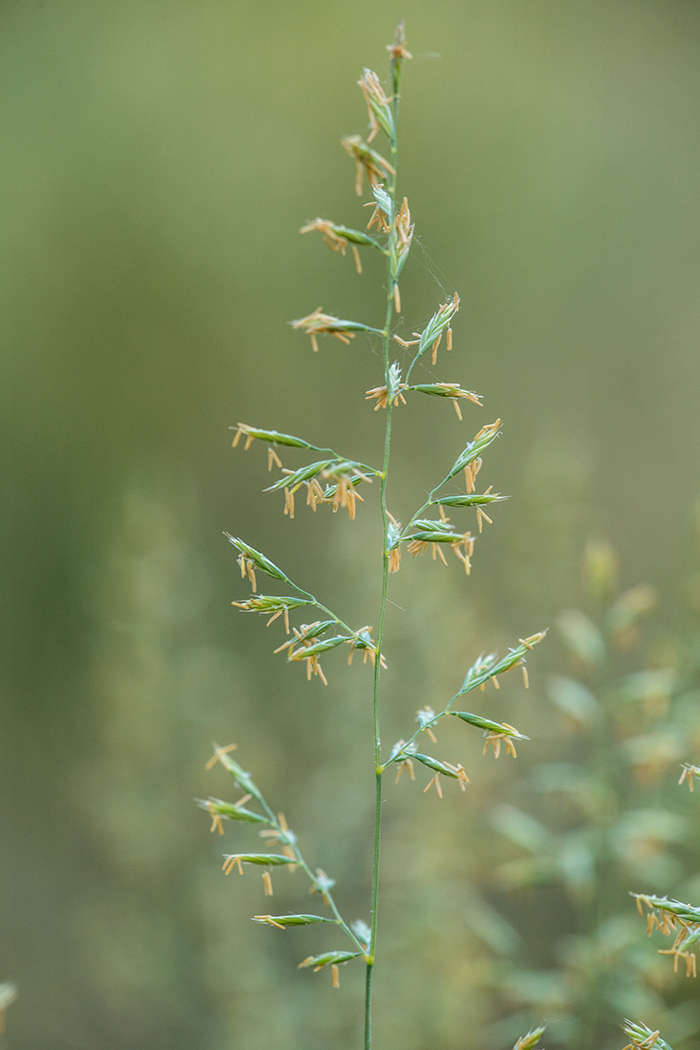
430	502
320	606
371	954
275	823
377	671
327	894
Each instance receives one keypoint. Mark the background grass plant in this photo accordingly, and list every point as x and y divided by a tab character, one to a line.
602	813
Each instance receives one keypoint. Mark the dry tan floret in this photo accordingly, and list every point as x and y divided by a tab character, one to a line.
269	920
345	495
460	773
418	548
230	863
289	852
243	428
689	771
494	739
314	494
689	957
465	555
382	395
335	241
367	162
372	90
662	917
313	667
436	781
470	472
398	49
481	515
404	228
218	752
362	639
371	654
463	549
486	429
216	824
318	323
407	343
333	238
378	216
407	765
647	1043
304	638
247	567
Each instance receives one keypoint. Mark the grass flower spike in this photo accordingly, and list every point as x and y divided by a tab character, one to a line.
331	479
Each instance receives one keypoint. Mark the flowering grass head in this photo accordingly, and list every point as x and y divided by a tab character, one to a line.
330	478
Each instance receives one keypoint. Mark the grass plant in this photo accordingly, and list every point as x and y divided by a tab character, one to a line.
673	919
617	712
614	710
599	814
333	479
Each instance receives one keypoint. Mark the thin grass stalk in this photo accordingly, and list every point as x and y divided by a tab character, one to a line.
390	306
343	475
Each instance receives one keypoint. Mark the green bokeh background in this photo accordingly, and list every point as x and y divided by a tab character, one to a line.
158	160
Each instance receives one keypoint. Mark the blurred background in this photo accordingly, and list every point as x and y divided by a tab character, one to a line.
159	157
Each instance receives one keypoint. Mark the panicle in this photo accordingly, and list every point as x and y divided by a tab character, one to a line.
333	480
